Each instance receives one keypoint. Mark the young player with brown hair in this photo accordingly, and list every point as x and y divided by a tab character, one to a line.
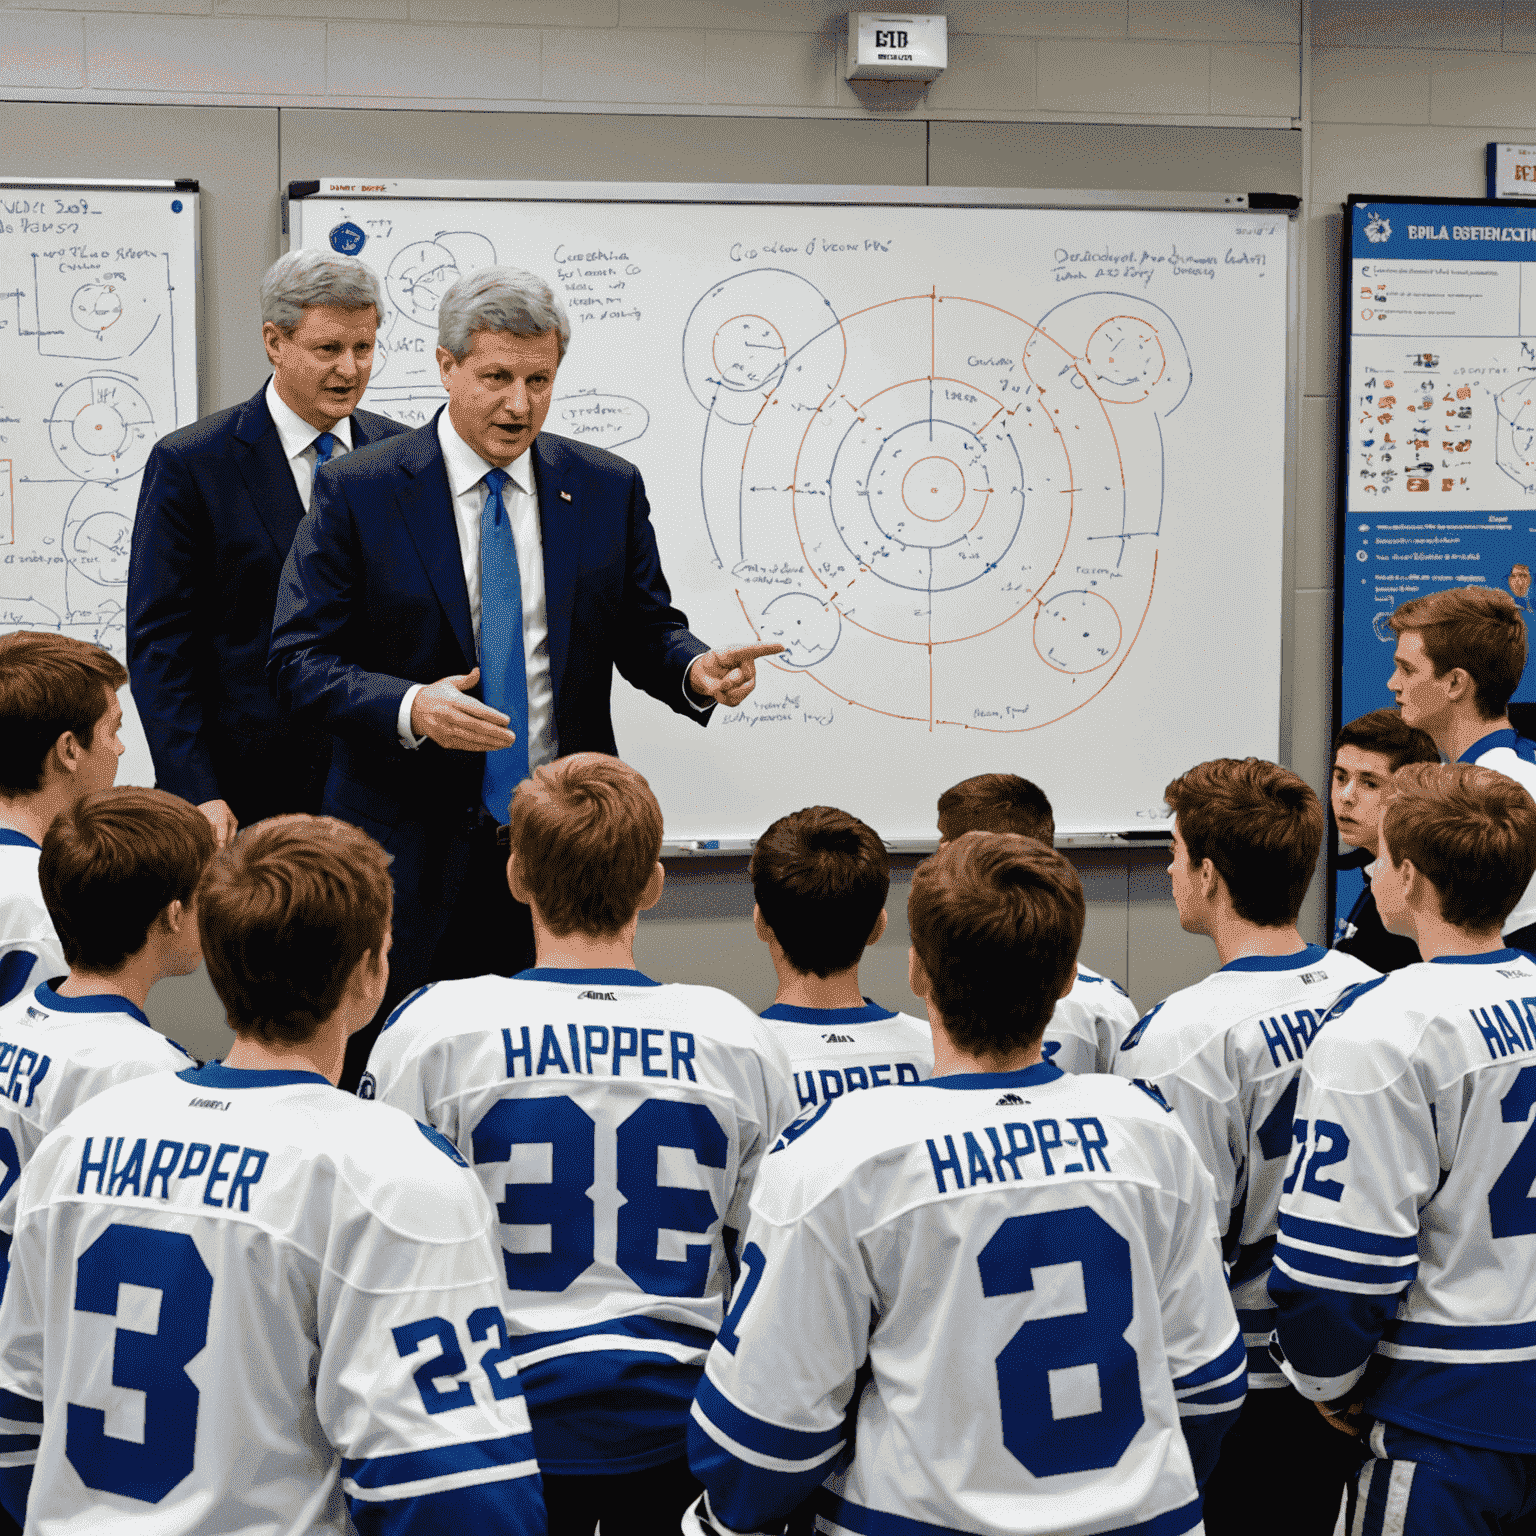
617	1124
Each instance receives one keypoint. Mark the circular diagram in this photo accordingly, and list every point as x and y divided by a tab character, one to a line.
423	271
96	307
97	531
964	503
101	428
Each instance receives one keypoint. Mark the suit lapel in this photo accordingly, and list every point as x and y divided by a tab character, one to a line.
560	521
264	468
425	505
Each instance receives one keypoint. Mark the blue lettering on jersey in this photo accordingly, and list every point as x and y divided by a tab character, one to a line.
22	1063
1133	1039
1043	1139
1499	1034
590	1042
117	1176
836	1081
1291	1036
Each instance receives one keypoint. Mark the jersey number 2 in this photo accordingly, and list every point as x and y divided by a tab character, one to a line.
151	1363
1511	1210
1069	1385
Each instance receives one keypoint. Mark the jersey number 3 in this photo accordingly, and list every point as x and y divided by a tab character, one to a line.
151	1363
1069	1386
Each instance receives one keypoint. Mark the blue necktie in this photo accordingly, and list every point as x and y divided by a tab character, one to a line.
325	446
503	664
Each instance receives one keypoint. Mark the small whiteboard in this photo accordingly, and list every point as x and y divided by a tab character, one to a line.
98	359
1009	482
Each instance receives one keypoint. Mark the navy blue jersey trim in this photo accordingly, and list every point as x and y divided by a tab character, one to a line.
1497	957
758	1434
1025	1077
1471	1336
624	1327
1522	746
1228	1361
1354	1239
21	1410
875	1522
597	976
217	1075
1309	954
11	838
792	1013
101	1003
443	1461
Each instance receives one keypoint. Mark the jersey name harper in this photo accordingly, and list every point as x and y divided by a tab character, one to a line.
833	1051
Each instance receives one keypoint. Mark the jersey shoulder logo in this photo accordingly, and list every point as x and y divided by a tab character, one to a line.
1133	1039
598	997
368	1086
442	1144
1012	1098
1152	1091
1349	997
419	992
836	1039
800	1125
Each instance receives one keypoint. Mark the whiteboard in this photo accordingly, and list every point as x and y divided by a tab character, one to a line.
98	359
1009	482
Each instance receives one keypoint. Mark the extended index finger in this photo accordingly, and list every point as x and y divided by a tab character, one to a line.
736	655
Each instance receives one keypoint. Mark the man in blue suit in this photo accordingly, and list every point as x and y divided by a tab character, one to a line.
453	611
218	507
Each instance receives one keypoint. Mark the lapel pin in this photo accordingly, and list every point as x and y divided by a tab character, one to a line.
565	495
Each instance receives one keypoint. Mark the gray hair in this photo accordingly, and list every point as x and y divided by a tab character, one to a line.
304	278
499	299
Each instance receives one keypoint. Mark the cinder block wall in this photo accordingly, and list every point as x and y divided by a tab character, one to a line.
1318	97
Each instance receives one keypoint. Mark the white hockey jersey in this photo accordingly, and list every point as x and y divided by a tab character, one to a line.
55	1053
1226	1053
29	945
617	1125
833	1051
1407	1222
242	1301
1513	755
1004	1290
1088	1024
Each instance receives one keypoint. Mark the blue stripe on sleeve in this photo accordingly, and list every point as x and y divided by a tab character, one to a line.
1474	1404
413	1466
12	1443
1326	1235
511	1507
23	1410
1326	1266
1328	1333
875	1522
1233	1391
759	1435
1228	1361
744	1497
1464	1336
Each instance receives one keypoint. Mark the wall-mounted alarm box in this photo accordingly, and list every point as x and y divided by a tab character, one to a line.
884	47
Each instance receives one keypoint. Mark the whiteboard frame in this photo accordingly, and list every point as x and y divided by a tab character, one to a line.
410	189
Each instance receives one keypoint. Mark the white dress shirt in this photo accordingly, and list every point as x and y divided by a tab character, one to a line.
467	487
298	440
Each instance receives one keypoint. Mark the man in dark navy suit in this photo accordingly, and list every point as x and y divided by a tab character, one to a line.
218	507
453	611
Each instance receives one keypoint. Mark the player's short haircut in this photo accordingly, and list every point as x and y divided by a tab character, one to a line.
112	863
1260	825
1470	832
821	878
1385	732
586	833
287	911
1478	629
306	278
996	802
49	684
500	299
996	920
